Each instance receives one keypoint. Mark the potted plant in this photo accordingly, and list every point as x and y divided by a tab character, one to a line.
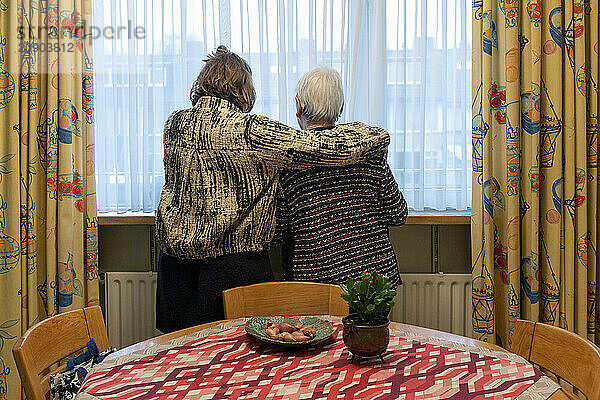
366	328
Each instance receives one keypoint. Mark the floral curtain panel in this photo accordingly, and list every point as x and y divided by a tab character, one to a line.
48	224
535	166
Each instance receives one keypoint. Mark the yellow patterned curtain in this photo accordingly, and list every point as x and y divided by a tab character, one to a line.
48	224
535	166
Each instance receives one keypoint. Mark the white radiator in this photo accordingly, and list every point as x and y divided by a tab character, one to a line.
130	304
436	301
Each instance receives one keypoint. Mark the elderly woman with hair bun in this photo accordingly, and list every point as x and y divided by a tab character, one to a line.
216	214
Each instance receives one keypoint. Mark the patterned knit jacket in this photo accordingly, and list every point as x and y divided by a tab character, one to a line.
333	222
222	169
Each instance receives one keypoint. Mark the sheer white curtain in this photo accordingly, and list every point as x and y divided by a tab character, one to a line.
400	67
428	101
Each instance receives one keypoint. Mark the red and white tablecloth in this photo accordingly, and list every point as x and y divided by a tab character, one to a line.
224	362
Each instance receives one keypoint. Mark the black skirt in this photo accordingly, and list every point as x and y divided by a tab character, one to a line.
189	292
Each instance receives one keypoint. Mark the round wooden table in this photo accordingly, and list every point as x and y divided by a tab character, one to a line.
561	394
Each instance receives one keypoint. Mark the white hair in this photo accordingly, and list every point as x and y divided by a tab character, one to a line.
321	95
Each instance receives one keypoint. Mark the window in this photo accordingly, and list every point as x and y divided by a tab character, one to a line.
406	66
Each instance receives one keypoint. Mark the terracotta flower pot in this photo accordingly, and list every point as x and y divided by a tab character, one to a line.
366	340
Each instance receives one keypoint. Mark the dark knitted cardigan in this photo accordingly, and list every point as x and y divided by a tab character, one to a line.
333	222
221	174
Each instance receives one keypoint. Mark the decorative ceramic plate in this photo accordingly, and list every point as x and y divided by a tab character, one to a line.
256	327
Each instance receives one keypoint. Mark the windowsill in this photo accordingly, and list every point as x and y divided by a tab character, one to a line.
128	218
415	218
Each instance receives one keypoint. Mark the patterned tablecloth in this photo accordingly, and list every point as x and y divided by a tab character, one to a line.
224	362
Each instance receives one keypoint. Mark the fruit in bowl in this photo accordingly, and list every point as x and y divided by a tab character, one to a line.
290	333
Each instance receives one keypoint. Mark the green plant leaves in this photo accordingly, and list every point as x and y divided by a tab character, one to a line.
350	284
370	297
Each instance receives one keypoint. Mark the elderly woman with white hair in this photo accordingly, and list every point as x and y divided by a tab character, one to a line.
333	222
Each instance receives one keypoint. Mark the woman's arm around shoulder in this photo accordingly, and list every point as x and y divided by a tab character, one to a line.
283	146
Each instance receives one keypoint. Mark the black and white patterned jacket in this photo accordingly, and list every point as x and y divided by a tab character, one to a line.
222	169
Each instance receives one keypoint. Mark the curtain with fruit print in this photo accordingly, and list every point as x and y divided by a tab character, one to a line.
535	166
48	224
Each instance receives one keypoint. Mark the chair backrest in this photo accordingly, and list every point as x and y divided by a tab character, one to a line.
50	341
284	298
565	354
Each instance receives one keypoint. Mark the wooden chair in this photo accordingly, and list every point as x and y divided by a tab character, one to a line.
50	341
284	298
563	353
